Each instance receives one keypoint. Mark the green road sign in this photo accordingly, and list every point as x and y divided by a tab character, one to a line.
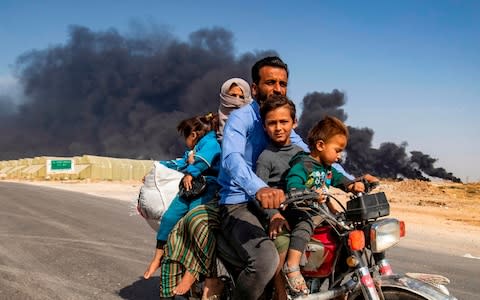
58	165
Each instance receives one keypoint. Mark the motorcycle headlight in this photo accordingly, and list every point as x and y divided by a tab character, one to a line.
384	234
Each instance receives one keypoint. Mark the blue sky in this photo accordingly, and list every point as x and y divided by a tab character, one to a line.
410	69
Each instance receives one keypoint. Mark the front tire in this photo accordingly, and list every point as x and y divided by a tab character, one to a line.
396	294
392	294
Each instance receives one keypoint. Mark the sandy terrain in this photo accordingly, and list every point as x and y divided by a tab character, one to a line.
442	215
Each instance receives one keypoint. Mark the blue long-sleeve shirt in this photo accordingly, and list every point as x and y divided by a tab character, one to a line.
244	138
207	157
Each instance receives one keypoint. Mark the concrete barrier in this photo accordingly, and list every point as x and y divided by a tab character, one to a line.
75	168
5	166
100	167
141	168
13	169
4	172
35	170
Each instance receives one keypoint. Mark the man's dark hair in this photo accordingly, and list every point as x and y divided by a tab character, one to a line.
270	61
276	101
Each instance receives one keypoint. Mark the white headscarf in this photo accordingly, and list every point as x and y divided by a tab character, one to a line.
229	103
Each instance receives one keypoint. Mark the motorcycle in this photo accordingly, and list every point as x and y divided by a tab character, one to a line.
345	258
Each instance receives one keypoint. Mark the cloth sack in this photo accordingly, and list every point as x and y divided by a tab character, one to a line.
157	192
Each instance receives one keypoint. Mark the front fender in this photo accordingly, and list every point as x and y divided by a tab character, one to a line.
416	286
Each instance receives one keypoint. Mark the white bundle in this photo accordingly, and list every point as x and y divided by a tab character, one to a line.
157	192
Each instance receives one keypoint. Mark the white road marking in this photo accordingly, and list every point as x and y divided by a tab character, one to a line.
468	255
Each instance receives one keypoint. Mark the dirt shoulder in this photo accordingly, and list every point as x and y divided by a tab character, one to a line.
442	216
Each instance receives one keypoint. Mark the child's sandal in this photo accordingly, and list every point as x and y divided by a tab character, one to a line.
296	283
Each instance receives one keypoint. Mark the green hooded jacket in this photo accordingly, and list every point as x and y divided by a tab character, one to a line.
307	173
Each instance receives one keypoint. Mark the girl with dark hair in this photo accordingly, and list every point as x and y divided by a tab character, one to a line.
200	160
190	248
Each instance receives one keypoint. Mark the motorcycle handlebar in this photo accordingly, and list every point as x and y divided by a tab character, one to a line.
309	199
298	196
308	196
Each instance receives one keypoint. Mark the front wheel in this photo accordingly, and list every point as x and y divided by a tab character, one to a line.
392	294
396	294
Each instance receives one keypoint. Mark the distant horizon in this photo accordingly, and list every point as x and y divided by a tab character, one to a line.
430	178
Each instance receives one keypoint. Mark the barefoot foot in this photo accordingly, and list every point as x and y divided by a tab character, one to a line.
187	280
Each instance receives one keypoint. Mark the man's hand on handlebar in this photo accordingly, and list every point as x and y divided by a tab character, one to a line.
270	197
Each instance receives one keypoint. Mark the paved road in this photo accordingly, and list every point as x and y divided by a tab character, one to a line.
63	245
464	273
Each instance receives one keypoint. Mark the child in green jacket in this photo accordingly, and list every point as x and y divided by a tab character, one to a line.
326	141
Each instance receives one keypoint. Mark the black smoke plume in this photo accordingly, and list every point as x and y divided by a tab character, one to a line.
108	94
388	161
425	163
7	106
317	105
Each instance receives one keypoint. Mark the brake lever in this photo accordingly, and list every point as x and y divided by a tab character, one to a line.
369	185
373	185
